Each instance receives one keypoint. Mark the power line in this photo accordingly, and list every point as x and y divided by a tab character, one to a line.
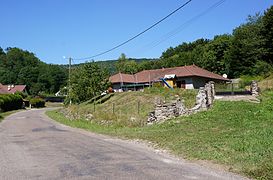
139	34
183	26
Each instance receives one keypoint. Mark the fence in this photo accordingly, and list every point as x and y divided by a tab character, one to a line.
236	88
130	113
137	110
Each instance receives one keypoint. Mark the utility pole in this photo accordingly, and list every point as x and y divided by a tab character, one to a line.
69	83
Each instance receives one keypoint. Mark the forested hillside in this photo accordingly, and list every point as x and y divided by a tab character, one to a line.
22	67
247	51
111	65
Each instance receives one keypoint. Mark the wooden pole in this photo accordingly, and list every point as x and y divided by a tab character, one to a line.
138	107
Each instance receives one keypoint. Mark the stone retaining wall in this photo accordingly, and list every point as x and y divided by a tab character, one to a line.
164	111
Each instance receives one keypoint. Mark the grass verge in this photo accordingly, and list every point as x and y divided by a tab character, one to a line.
128	109
5	114
236	134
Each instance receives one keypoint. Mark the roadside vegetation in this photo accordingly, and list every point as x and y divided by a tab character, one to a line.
10	102
127	109
235	134
5	114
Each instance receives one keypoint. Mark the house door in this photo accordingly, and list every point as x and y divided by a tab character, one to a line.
181	84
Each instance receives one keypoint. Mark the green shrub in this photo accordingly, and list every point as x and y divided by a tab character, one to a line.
37	102
10	102
23	95
246	80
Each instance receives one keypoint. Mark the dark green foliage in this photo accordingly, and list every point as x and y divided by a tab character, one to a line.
248	51
245	50
111	65
87	81
23	95
10	102
22	67
124	65
267	35
37	102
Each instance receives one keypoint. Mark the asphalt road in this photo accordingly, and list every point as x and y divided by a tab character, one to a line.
32	146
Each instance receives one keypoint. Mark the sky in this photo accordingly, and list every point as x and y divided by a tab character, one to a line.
57	29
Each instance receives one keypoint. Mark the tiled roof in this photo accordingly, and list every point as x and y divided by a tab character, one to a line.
155	75
4	89
120	77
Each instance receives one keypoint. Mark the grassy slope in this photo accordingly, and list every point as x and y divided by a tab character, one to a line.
131	108
237	134
266	84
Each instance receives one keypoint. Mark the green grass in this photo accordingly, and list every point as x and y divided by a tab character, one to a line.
129	109
235	134
266	84
53	104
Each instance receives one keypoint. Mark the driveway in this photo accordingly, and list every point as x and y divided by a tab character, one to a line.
32	146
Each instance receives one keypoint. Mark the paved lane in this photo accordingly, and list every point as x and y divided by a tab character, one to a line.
34	147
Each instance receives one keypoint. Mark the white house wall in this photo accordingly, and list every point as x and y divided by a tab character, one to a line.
188	81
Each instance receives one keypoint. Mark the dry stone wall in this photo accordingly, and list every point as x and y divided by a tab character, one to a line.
164	111
254	88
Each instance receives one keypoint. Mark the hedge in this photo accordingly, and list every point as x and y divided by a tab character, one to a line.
10	102
37	102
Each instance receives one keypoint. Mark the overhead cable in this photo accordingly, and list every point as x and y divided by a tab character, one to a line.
139	34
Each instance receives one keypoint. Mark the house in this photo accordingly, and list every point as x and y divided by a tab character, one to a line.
186	77
11	89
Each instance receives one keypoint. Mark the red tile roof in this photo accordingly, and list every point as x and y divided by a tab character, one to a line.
120	77
155	75
3	90
8	89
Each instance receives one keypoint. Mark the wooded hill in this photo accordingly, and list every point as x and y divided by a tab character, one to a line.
247	51
22	67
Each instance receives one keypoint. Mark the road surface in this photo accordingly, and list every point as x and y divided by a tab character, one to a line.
32	146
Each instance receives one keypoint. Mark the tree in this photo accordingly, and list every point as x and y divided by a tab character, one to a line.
125	65
215	53
245	49
23	67
87	81
267	35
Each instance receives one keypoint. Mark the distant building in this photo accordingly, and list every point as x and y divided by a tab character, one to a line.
186	77
11	89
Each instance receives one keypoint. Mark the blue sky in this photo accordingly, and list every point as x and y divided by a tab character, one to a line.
81	28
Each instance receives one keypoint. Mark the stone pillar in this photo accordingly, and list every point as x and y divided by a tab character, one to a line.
209	87
254	88
201	99
208	94
180	108
212	90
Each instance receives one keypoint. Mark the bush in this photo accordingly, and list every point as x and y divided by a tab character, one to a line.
10	102
37	102
246	80
23	95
